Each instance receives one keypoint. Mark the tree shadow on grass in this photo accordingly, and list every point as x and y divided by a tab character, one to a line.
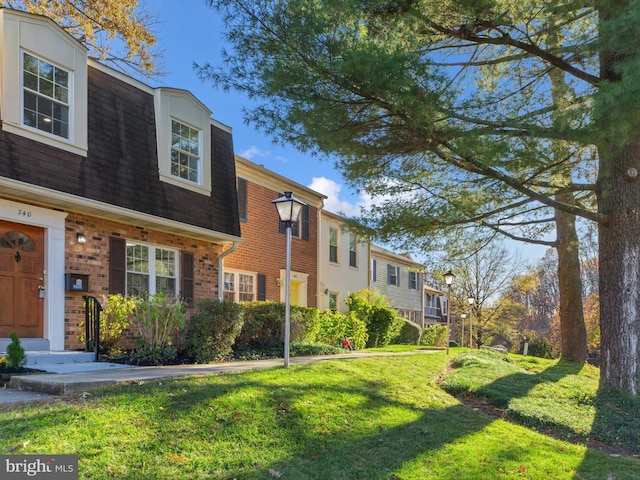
348	453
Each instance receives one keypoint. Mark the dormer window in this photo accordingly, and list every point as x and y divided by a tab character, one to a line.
46	96
183	132
185	152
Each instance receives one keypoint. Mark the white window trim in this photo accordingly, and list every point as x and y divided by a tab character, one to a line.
236	291
199	156
152	265
183	107
40	38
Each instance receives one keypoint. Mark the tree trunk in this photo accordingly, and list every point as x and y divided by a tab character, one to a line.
619	239
573	333
619	233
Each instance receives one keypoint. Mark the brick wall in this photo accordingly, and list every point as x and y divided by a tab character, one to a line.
92	258
264	247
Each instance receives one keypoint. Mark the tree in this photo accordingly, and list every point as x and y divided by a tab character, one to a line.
485	276
516	104
117	32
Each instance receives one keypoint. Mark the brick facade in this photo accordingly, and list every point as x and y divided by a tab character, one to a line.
92	258
263	249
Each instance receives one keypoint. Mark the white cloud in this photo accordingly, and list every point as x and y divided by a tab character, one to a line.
253	152
334	203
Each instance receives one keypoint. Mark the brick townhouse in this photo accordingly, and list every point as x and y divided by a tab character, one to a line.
106	186
255	270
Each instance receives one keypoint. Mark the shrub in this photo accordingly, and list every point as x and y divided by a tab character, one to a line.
15	353
383	324
157	318
334	326
117	314
212	330
435	336
538	347
264	324
409	333
374	309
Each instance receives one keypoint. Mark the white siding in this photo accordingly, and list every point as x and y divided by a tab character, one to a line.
339	278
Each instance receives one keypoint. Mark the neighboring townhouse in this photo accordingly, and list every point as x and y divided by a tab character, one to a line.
106	186
399	278
255	270
435	307
344	263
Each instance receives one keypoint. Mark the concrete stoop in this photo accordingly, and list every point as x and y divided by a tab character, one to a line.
38	359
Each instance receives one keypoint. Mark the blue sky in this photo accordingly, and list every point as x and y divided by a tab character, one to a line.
189	31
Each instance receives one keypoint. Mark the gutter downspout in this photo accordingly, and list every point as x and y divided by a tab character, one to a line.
221	268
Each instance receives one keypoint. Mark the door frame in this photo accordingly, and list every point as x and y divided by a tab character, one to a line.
53	223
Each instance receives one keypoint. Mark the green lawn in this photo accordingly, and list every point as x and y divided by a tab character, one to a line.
371	418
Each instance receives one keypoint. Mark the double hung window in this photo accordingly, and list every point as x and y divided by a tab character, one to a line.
45	96
333	245
185	152
151	270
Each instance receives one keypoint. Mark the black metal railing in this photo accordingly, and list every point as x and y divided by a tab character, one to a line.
92	309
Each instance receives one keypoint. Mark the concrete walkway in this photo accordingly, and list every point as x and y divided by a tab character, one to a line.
38	387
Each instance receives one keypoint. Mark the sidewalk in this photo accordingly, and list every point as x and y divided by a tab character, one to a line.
46	386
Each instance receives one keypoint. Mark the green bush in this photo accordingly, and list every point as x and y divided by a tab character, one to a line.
15	353
538	347
157	319
334	326
117	313
383	324
264	324
434	336
409	333
212	330
373	308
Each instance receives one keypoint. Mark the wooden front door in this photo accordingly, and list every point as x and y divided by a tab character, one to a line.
21	280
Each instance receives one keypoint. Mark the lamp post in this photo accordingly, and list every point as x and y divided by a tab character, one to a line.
448	279
463	316
289	209
471	301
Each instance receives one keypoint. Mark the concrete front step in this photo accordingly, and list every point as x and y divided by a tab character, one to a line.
35	359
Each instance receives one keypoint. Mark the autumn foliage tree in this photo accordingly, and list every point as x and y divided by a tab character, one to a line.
116	32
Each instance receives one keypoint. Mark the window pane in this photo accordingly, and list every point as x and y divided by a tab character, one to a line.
30	81
246	288
61	78
165	263
166	286
46	88
229	282
45	71
30	64
137	284
137	258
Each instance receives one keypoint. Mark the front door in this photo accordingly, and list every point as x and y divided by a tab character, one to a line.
21	280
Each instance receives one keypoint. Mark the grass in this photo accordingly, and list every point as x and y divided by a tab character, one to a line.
369	418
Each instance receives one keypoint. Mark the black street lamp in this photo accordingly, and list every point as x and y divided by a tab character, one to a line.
289	209
471	301
448	279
